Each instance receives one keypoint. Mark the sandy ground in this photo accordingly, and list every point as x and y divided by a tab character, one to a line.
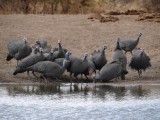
80	35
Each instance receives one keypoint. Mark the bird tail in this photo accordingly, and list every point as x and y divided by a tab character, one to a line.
124	72
9	57
15	72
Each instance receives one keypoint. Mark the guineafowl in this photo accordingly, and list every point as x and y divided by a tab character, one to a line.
121	57
60	52
129	45
49	69
99	58
59	61
55	54
56	49
140	61
77	66
42	44
91	69
109	71
29	61
50	56
18	49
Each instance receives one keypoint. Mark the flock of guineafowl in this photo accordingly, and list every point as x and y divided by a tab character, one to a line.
52	62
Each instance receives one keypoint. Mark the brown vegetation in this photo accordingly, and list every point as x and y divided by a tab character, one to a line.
75	6
150	17
103	18
128	12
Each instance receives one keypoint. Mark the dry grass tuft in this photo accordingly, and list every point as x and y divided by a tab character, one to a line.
150	17
103	18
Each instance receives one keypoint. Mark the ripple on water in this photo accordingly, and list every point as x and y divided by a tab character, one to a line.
134	102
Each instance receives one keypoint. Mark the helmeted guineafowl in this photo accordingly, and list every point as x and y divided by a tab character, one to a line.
121	57
18	49
140	61
129	45
49	69
50	56
109	71
55	54
60	53
59	61
56	49
77	66
42	44
99	58
29	61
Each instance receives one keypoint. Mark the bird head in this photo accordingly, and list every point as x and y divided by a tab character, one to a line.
36	50
66	63
104	47
52	51
41	50
139	34
25	40
118	46
59	41
37	42
118	39
85	56
67	55
141	51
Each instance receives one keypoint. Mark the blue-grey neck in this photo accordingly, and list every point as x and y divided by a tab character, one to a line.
139	35
60	47
65	64
85	58
118	46
67	55
102	51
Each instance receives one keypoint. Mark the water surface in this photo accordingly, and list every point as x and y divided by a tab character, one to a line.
79	102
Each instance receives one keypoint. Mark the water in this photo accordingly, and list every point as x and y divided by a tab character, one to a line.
79	102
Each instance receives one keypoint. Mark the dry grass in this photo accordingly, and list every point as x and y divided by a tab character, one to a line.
151	17
75	6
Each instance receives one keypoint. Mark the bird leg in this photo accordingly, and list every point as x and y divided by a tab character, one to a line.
28	75
139	73
86	77
71	78
17	62
81	78
45	79
122	77
77	79
58	80
34	75
131	53
58	87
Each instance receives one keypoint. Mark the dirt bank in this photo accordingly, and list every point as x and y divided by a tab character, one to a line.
79	35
